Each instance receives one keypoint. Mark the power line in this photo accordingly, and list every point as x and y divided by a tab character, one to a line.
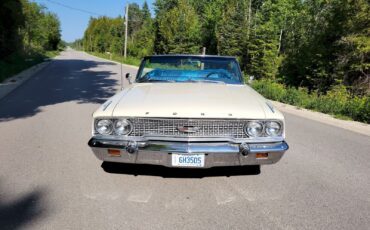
74	8
81	10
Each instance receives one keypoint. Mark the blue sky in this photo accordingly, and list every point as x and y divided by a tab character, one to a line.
74	22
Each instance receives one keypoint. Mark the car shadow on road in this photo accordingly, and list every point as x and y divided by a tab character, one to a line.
165	172
15	214
63	80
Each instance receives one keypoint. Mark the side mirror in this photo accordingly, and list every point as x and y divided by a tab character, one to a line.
128	77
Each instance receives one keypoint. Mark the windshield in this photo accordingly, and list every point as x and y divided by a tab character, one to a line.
189	69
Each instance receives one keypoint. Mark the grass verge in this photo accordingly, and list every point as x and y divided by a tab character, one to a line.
337	102
18	62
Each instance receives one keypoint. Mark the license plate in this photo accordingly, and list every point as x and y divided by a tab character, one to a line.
186	160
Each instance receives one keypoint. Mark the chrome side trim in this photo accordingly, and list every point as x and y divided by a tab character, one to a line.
105	106
268	147
270	106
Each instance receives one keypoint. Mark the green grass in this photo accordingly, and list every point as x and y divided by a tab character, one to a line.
337	102
118	58
17	62
342	117
51	54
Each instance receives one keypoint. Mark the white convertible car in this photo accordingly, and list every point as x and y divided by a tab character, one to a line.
188	111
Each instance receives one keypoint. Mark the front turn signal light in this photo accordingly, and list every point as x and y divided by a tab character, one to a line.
262	155
114	152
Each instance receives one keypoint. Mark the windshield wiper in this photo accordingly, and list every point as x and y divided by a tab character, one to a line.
207	81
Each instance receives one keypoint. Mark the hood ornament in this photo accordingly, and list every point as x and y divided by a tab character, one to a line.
188	129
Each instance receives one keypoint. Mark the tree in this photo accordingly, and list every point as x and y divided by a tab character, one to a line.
135	18
116	32
179	29
51	31
41	28
353	48
143	40
328	45
266	38
146	12
11	21
33	30
210	15
231	29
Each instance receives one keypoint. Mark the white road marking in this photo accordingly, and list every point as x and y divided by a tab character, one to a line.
141	196
223	197
223	194
103	196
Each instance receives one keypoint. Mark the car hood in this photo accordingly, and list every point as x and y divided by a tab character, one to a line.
188	100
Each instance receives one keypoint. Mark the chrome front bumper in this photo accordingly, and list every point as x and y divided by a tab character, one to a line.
159	153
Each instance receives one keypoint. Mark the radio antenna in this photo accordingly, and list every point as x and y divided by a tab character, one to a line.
125	43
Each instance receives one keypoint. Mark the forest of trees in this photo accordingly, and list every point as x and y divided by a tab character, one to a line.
315	44
27	30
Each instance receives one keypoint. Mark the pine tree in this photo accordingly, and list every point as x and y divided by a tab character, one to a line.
231	29
179	30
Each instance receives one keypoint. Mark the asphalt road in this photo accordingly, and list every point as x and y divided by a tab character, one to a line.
49	178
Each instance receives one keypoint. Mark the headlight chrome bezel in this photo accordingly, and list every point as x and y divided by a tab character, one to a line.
113	131
109	125
271	123
265	132
128	122
249	133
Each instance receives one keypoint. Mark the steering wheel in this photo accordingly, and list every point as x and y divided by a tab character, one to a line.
218	73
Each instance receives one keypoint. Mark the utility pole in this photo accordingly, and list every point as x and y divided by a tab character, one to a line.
126	25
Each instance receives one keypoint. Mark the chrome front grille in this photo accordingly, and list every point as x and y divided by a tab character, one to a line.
203	127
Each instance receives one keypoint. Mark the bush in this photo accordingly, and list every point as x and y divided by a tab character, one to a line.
298	97
336	101
270	89
359	109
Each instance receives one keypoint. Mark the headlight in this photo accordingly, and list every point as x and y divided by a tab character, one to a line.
254	129
273	128
122	127
104	127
